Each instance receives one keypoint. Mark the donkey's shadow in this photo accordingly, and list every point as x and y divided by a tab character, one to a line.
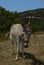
33	58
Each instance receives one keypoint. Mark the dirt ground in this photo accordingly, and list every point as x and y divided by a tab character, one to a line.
34	53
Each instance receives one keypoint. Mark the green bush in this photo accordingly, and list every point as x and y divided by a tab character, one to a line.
39	25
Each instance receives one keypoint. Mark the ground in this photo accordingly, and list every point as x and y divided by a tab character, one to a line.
34	53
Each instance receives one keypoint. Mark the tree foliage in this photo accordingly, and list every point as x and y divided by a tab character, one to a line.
7	19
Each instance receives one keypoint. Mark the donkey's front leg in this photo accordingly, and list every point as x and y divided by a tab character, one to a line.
23	49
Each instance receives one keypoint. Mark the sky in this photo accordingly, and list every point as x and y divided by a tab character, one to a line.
21	5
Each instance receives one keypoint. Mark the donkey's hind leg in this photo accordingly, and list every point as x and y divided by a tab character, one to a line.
17	48
12	46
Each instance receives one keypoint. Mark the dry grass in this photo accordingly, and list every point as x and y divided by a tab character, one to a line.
34	53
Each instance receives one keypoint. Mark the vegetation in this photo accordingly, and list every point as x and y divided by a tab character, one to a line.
38	25
8	18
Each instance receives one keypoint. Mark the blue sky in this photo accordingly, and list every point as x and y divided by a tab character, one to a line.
21	5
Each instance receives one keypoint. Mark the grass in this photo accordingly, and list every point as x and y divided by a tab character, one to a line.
34	53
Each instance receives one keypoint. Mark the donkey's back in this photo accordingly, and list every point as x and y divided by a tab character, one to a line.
16	30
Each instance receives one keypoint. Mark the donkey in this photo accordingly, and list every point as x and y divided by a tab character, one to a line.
17	34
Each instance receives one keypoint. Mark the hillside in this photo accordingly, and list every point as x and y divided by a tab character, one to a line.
36	20
36	12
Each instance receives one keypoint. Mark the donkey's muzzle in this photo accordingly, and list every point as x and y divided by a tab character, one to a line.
25	44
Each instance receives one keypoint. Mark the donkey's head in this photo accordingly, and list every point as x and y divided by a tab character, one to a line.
26	38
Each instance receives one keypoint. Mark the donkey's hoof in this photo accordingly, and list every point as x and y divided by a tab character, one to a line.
16	59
